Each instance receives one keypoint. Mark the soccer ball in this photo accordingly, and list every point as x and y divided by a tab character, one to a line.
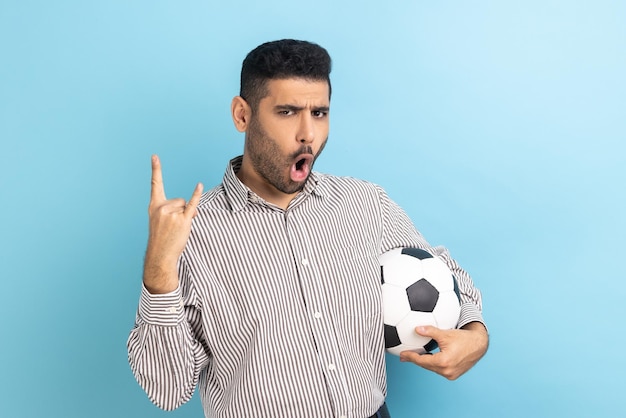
417	289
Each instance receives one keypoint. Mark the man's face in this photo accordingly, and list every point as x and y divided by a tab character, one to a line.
287	132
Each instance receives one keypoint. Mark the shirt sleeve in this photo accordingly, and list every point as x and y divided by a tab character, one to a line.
398	231
164	351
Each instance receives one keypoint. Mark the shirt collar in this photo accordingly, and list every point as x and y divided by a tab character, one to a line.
239	195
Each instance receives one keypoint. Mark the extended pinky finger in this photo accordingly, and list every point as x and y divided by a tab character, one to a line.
195	199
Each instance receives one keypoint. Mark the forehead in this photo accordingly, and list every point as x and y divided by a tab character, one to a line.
297	91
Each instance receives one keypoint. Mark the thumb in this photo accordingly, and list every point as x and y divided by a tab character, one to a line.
426	361
429	331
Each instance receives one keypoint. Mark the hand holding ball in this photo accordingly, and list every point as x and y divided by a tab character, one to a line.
417	289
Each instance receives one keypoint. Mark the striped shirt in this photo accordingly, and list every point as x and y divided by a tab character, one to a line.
278	312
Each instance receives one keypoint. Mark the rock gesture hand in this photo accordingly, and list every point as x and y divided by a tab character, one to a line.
169	229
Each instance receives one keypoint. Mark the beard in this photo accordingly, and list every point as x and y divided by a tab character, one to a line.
271	164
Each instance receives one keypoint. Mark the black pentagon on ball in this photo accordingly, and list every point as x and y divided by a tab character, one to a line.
417	253
432	345
392	339
422	295
457	292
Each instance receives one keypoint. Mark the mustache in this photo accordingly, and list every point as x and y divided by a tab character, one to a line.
305	149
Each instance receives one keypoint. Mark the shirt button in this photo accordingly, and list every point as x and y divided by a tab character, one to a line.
305	262
331	367
172	309
317	315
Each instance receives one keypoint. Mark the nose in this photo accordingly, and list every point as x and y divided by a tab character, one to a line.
306	130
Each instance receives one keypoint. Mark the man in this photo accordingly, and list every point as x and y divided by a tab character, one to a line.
265	291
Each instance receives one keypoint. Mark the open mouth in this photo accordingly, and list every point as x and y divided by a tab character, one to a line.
301	168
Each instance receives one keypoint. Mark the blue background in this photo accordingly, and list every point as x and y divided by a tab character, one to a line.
498	126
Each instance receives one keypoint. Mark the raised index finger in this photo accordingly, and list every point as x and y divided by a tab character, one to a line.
157	192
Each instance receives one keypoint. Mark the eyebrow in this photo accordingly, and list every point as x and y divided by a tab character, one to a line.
295	108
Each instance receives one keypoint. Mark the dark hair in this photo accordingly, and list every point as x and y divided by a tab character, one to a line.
276	60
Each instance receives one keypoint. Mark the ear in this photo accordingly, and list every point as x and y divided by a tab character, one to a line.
240	112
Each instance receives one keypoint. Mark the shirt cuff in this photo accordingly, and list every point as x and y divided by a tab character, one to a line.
161	309
470	313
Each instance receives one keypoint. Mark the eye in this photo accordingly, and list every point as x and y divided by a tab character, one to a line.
319	114
286	112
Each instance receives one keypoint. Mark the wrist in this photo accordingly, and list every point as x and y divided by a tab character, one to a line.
481	336
160	279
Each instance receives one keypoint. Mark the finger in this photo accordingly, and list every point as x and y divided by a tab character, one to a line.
427	361
438	363
195	199
176	205
169	207
157	192
429	331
